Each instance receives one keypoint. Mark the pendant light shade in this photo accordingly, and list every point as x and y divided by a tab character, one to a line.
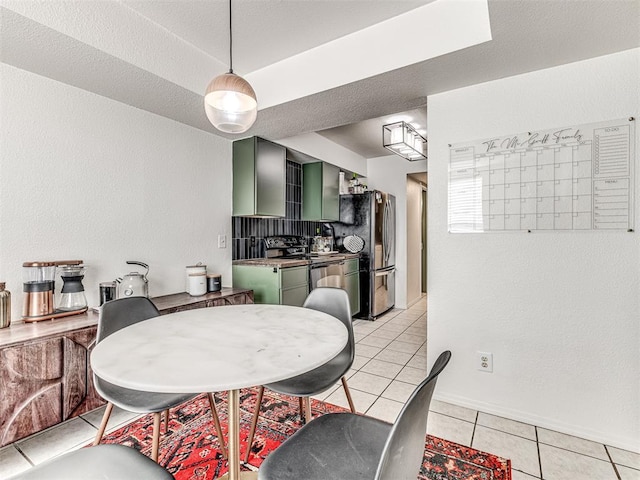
230	103
402	139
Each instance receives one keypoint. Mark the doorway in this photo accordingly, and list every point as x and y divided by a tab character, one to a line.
424	239
416	237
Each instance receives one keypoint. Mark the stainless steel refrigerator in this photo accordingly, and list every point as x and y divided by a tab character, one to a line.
371	216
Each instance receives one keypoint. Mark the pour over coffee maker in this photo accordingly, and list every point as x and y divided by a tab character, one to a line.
39	286
72	298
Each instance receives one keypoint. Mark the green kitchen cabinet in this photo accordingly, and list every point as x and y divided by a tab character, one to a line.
320	192
352	283
259	178
278	286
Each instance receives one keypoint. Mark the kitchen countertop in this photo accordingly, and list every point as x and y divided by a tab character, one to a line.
336	255
292	262
20	331
273	262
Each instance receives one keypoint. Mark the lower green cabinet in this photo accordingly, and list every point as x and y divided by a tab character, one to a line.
278	286
352	283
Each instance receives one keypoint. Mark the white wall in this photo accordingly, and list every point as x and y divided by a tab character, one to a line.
84	177
389	174
559	310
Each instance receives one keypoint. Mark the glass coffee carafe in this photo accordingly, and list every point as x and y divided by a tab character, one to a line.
72	297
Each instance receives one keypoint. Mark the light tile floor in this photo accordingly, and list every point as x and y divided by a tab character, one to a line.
390	361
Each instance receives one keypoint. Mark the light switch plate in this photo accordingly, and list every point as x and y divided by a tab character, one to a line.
222	241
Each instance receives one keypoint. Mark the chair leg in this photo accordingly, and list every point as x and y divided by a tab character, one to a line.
348	394
166	420
103	424
306	408
303	418
254	423
155	447
216	423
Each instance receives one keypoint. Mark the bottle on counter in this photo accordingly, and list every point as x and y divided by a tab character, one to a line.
5	306
354	184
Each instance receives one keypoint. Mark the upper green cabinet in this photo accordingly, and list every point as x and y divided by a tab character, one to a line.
259	172
320	191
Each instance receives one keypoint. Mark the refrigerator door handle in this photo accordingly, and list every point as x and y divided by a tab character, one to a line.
385	271
387	249
384	236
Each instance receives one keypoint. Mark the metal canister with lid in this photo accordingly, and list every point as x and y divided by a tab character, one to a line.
5	306
214	282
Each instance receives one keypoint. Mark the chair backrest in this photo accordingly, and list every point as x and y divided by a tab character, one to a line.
335	302
120	313
404	450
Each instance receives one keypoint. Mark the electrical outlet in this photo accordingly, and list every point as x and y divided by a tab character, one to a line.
485	362
222	241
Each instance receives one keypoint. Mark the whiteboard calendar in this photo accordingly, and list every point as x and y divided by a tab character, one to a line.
571	178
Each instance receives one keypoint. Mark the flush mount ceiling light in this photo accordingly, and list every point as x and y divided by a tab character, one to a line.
230	102
402	139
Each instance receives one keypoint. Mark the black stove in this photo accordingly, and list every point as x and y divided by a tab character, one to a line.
297	247
286	246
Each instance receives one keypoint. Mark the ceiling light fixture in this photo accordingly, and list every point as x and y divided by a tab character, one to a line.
402	139
230	102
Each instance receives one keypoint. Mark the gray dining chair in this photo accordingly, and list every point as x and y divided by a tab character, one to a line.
118	314
103	462
335	302
337	446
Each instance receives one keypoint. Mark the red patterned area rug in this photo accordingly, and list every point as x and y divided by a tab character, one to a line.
191	450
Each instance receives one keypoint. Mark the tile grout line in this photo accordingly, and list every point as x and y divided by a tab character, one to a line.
473	432
535	428
615	469
575	450
24	455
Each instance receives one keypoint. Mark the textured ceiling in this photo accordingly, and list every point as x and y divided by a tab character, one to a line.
155	55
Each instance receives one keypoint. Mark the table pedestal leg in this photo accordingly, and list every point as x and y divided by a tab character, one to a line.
233	442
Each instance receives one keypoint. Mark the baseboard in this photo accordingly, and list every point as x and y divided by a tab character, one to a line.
606	438
413	302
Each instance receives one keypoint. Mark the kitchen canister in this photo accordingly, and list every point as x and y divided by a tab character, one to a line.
107	292
197	284
198	268
214	282
5	306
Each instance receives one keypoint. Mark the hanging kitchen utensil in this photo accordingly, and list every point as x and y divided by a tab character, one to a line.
353	243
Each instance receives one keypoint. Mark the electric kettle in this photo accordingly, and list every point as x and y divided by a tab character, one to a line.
134	284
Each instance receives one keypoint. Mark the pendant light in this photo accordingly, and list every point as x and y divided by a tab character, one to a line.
230	102
402	139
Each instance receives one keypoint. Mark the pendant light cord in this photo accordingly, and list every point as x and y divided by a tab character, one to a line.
230	41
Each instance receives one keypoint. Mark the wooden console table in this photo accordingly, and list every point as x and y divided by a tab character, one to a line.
45	376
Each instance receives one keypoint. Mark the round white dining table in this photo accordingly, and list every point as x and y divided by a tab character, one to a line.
217	349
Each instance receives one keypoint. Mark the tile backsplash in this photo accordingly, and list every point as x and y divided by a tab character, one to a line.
248	232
